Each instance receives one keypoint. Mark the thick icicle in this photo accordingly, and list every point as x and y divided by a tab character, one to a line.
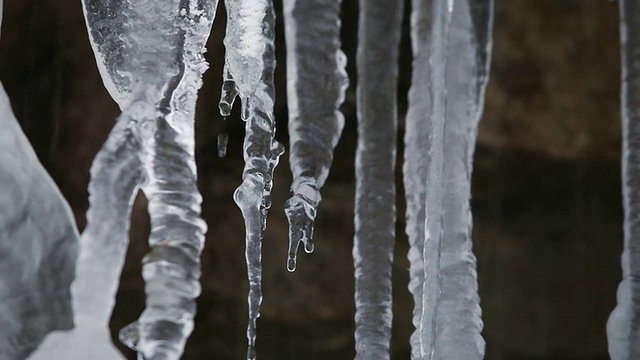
623	327
316	83
38	244
424	165
150	57
375	213
459	320
249	70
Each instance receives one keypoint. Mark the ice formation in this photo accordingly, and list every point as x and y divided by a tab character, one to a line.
249	71
38	245
375	216
623	327
459	320
316	82
150	57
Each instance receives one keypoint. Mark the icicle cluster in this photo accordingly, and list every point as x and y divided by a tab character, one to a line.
623	327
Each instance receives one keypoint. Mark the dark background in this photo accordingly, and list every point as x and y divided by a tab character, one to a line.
546	186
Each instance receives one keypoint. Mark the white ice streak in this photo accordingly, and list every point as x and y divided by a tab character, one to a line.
459	320
38	245
375	211
623	326
249	71
316	83
150	57
424	165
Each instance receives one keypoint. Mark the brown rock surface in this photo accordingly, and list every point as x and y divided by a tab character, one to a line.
546	187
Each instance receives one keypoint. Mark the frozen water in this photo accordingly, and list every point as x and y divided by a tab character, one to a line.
375	213
424	164
150	57
459	320
623	327
38	245
316	83
248	73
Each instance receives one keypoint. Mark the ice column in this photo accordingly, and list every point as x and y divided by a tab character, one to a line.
316	82
38	245
150	57
424	164
249	70
459	320
623	327
375	216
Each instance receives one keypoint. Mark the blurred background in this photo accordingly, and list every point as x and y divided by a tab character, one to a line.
546	186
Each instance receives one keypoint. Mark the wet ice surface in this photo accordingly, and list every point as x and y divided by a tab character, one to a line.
38	245
248	74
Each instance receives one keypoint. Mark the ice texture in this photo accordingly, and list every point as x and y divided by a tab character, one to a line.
316	83
459	320
38	245
150	57
623	326
248	73
375	212
424	165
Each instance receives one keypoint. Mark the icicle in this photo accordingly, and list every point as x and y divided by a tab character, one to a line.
623	327
316	82
424	164
375	214
249	68
150	58
38	244
459	316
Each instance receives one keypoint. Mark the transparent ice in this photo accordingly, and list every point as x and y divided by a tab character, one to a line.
150	57
248	73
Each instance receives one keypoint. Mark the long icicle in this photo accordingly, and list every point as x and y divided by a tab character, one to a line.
459	319
423	167
623	326
375	212
150	58
249	71
316	83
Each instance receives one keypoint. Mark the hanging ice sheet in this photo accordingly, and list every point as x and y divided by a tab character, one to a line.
249	69
38	245
150	57
375	216
316	82
623	327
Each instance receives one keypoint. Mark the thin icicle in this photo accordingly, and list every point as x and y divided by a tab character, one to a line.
249	70
459	320
375	213
316	82
623	327
424	165
150	57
